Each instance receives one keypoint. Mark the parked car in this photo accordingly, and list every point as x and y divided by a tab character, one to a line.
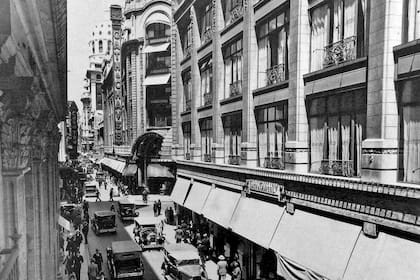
90	189
70	210
124	260
150	232
104	221
126	210
181	262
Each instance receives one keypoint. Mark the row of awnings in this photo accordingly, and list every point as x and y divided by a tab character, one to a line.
154	170
308	246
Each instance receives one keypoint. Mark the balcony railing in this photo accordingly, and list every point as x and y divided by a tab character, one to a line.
276	74
188	105
236	12
207	35
234	159
188	156
274	162
207	98
187	51
207	157
337	167
341	51
9	264
236	88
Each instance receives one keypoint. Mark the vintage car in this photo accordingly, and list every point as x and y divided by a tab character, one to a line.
90	189
104	221
150	235
70	211
124	260
182	262
126	210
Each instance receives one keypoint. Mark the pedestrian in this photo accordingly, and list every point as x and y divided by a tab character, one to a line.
68	262
101	276
78	239
77	264
105	184
92	270
178	234
171	215
85	230
201	251
222	267
236	271
111	193
98	259
155	208
159	207
206	243
97	196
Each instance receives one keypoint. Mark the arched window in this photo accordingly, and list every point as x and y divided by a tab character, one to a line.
100	46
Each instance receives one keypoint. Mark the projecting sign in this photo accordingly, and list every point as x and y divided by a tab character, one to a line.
266	188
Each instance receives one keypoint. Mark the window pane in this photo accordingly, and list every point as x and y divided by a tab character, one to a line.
272	24
280	20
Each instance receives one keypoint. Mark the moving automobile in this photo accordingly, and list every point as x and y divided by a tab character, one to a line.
70	210
104	221
181	262
150	234
124	260
90	189
126	210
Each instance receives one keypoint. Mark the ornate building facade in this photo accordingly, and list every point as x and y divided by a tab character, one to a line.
294	134
33	95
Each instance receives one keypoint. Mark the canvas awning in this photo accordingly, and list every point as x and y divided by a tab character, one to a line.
153	80
220	205
313	244
130	170
256	220
197	197
158	171
180	190
64	223
386	257
156	48
115	165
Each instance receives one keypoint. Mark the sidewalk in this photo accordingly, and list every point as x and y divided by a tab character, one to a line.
84	252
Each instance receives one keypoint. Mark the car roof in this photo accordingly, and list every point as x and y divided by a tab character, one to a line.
182	251
104	213
148	220
125	201
125	247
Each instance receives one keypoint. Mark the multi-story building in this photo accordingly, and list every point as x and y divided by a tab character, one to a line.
86	124
137	95
72	131
33	95
295	134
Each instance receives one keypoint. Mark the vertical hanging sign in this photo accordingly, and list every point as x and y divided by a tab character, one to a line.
116	18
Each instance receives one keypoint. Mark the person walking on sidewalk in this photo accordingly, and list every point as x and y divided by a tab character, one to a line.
236	271
159	207
98	259
97	196
222	267
92	270
155	210
111	193
178	234
77	264
85	230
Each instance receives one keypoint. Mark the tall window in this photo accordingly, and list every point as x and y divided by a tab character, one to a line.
233	10
337	127
410	132
337	32
206	131
272	134
232	54
186	132
232	125
206	73
157	31
188	41
158	62
412	20
272	50
101	47
187	90
207	24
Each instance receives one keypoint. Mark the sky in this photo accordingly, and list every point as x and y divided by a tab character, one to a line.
82	15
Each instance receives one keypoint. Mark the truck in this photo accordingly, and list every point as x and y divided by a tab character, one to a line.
124	260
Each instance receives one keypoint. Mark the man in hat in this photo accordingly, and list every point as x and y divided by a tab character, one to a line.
222	267
178	234
92	270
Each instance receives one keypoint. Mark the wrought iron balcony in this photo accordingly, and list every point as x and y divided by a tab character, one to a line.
236	88
207	35
276	74
207	98
187	51
207	157
188	156
234	159
337	167
188	105
274	162
341	51
236	12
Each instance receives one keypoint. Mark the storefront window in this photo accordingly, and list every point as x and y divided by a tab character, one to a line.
232	125
206	130
337	32
272	134
206	73
337	127
186	133
232	54
272	50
